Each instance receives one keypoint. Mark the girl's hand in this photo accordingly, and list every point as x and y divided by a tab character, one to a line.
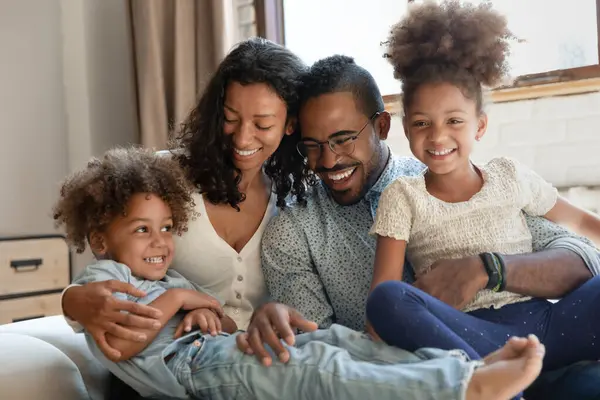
206	319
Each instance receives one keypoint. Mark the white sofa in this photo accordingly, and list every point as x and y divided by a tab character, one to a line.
44	359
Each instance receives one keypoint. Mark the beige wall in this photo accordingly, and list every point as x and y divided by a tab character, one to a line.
98	76
67	93
33	152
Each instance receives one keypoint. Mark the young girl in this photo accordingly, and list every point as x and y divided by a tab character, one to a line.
443	54
128	204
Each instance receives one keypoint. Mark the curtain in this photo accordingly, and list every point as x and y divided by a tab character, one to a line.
177	45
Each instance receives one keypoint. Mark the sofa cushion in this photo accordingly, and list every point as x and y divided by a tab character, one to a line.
54	336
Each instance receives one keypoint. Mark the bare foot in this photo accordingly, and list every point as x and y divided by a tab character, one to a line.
512	349
508	371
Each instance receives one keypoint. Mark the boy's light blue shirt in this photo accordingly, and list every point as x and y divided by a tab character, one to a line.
146	372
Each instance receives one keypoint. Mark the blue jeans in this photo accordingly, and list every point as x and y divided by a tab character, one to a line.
335	363
409	318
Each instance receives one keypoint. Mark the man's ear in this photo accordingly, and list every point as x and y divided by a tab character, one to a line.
290	125
97	245
384	121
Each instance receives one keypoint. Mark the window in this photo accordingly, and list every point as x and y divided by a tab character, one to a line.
314	29
561	38
556	38
246	20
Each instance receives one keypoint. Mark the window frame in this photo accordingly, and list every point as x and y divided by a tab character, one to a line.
270	25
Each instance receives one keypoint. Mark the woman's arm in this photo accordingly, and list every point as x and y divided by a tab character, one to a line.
169	303
100	313
389	260
577	219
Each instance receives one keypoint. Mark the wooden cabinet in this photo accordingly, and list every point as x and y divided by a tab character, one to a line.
33	272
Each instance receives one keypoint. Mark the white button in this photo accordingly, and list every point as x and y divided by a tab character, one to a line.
239	259
197	343
238	296
240	278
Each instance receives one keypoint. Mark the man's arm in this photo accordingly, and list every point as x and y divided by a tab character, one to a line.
575	218
561	262
289	272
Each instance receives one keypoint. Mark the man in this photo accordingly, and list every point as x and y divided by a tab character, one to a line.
318	259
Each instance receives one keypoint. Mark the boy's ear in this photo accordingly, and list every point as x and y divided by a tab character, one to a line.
97	244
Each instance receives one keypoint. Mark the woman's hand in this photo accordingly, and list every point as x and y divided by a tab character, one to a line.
99	312
206	319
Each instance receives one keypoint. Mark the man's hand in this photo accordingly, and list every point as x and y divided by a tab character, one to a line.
207	320
228	325
94	306
455	282
269	324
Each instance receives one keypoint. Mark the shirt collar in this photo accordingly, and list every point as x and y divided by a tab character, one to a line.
387	176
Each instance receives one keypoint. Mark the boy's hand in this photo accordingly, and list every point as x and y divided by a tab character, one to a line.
191	300
206	319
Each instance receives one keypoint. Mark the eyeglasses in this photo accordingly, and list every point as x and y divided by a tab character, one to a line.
342	145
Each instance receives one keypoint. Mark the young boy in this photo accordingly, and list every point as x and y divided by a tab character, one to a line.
128	204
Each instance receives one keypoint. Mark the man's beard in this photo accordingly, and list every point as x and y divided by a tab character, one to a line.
374	168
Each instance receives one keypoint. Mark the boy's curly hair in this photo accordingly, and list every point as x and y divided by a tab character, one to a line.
92	197
463	44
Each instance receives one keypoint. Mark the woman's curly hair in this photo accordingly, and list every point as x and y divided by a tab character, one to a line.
91	198
207	153
464	44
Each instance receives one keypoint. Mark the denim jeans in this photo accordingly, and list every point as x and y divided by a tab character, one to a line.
335	363
406	317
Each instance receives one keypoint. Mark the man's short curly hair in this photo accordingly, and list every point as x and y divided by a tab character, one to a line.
92	197
460	43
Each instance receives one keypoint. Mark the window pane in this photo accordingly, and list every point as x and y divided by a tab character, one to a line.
319	28
557	34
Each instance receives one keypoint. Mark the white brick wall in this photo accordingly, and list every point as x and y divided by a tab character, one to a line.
559	137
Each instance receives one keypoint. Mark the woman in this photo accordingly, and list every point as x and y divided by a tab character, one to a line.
238	147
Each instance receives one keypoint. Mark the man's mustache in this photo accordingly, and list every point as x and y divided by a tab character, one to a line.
322	170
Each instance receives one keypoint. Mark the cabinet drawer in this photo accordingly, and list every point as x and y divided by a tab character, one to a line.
14	310
33	265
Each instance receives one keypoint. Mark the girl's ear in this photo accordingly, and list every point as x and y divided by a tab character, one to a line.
481	126
97	244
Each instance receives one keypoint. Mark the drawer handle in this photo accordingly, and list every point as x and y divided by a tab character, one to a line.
28	318
26	265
